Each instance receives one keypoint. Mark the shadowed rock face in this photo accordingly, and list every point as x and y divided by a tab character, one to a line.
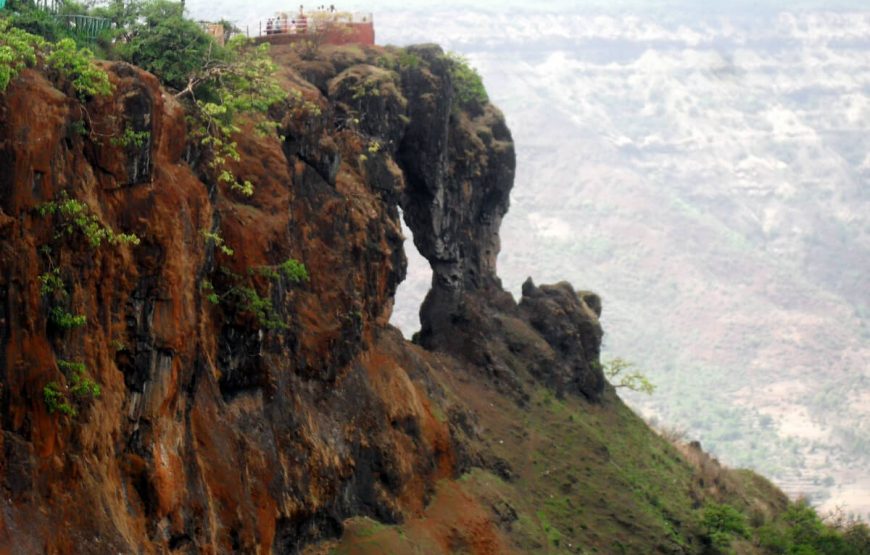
460	169
216	432
568	321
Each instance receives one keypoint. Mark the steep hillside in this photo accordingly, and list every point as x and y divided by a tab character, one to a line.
704	168
187	369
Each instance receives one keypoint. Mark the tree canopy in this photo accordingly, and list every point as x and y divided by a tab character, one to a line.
218	83
163	42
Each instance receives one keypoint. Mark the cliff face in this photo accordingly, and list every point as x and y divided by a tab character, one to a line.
243	409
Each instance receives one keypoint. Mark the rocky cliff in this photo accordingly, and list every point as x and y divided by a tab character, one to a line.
188	392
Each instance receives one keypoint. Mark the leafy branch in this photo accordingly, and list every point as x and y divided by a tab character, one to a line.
75	215
218	241
62	399
130	137
236	81
243	296
53	287
72	216
620	374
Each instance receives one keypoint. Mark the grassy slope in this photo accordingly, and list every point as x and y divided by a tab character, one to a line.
595	477
583	479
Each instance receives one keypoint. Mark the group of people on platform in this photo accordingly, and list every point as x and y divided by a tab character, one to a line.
282	24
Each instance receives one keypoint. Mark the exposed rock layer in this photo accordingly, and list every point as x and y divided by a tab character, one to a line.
213	432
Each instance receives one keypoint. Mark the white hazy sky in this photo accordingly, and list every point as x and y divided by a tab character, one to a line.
208	8
250	11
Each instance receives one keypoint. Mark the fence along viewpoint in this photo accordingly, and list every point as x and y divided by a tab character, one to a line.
324	24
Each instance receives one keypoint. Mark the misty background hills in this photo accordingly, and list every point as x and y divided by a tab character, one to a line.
706	171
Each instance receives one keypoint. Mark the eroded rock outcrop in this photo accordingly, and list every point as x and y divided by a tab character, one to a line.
241	410
568	322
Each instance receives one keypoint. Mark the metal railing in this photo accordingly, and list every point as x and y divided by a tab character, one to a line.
51	6
85	26
82	26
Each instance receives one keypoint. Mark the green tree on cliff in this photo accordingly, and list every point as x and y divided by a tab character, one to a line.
239	82
219	84
620	374
163	42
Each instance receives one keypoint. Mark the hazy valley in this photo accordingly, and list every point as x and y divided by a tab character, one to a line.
708	177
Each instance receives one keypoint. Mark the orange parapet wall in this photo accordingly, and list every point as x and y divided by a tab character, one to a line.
350	33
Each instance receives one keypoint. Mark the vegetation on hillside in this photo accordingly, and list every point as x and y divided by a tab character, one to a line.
74	224
70	67
20	49
467	84
595	479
